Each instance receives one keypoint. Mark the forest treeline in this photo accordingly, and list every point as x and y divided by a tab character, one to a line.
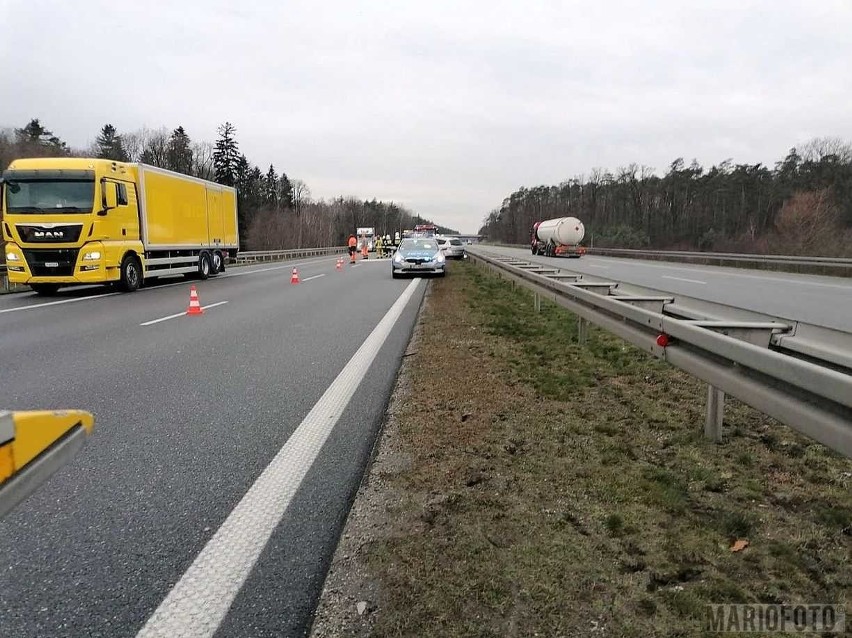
275	210
802	205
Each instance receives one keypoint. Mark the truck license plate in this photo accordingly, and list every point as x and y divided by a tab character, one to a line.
51	264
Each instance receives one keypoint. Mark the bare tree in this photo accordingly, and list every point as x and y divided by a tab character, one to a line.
133	143
820	147
301	196
155	148
202	160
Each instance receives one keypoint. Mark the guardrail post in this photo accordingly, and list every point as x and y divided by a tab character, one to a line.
537	302
715	414
582	330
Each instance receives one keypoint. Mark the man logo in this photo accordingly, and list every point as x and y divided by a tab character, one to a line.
49	234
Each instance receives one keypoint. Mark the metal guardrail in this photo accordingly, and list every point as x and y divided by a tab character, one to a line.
795	373
251	256
731	259
750	257
832	265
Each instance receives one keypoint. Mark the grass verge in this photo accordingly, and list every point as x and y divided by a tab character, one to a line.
555	489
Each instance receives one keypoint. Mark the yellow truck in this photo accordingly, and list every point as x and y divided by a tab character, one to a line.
72	221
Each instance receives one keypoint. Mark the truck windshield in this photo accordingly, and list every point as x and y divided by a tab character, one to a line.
49	196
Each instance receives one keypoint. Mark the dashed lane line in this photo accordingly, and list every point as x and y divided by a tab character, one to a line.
180	314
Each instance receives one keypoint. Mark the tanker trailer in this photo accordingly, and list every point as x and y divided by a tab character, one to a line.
560	236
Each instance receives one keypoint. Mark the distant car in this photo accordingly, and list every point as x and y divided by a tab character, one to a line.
452	247
418	255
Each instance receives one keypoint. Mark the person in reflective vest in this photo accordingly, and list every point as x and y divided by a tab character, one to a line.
353	245
379	246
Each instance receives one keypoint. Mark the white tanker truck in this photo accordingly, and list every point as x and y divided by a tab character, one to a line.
560	236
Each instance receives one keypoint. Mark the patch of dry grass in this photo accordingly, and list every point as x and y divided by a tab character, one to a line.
566	490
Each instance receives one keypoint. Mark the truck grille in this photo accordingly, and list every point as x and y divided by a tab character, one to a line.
41	262
31	234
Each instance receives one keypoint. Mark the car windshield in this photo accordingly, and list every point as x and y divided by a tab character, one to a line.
456	242
419	244
50	196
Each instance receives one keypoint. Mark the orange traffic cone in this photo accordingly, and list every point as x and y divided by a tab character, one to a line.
295	278
339	263
194	305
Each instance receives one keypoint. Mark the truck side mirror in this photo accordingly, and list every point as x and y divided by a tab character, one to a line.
109	196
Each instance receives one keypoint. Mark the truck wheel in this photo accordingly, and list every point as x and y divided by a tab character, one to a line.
45	290
131	274
204	266
219	262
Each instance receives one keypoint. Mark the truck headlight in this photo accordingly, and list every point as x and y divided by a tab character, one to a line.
92	256
12	257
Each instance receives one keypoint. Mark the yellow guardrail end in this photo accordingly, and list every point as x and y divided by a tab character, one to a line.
37	431
7	461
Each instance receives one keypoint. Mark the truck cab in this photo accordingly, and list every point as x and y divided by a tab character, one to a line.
68	221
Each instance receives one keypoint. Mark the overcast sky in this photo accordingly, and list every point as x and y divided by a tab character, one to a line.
444	106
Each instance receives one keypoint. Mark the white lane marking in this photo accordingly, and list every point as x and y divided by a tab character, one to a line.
691	281
199	601
283	267
56	303
180	314
313	277
598	266
252	272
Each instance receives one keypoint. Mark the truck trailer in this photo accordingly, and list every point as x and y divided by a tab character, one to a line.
70	221
561	236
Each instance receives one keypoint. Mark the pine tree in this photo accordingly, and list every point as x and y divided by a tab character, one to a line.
242	170
285	191
226	156
248	183
110	146
270	187
34	135
179	152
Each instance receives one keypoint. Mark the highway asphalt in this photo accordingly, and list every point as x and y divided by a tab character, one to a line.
819	300
189	412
